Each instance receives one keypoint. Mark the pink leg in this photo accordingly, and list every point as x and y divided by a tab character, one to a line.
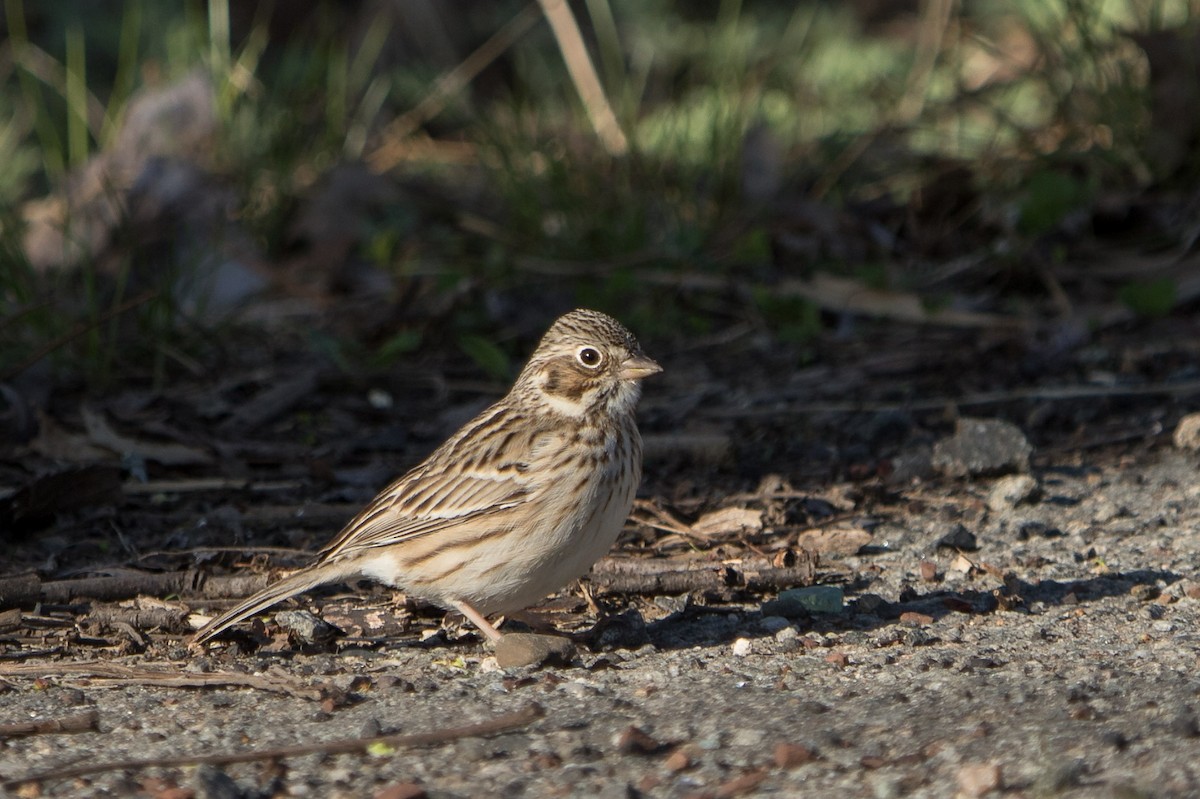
477	619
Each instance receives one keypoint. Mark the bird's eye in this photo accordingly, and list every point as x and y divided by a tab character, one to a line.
589	357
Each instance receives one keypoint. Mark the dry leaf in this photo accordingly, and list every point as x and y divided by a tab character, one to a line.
101	434
728	520
837	540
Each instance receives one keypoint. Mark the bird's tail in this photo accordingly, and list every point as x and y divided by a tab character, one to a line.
297	583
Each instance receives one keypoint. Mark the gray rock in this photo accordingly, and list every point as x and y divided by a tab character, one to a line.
982	447
802	601
212	783
1187	432
306	627
959	538
1011	491
529	649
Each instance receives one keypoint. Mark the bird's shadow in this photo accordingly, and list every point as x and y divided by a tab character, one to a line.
706	626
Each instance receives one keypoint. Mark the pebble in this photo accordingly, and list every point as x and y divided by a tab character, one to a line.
977	779
929	571
746	736
679	760
401	790
982	446
1187	432
636	741
802	601
741	647
1012	490
790	755
209	782
306	627
529	649
773	624
959	538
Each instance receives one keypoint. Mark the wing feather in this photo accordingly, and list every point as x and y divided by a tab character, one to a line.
450	488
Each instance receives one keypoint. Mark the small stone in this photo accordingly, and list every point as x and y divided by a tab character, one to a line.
797	602
838	659
911	466
1056	778
747	737
200	665
959	538
1143	592
869	603
401	790
981	447
1104	511
679	760
917	637
636	741
789	755
212	783
1028	530
929	571
1185	725
514	650
773	624
977	779
741	647
1187	432
961	565
786	634
306	627
1011	491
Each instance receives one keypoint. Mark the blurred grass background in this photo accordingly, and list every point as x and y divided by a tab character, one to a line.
887	142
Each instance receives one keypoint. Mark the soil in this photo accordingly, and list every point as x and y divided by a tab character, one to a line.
995	638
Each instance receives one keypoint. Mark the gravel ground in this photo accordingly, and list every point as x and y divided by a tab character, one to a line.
1059	659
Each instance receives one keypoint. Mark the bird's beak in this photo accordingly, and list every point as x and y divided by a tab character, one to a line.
637	366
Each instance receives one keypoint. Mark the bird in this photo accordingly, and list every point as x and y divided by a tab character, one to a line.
517	503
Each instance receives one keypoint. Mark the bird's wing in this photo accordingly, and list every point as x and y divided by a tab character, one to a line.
448	489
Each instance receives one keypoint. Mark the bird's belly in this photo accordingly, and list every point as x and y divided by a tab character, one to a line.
523	569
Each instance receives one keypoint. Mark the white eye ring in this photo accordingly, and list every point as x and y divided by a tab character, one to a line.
589	357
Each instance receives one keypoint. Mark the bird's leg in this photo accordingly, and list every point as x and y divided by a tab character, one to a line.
476	618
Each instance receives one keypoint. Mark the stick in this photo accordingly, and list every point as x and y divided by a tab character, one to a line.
30	589
86	721
390	153
76	332
583	74
494	726
651	577
118	674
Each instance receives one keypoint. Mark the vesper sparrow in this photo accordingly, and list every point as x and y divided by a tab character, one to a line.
519	502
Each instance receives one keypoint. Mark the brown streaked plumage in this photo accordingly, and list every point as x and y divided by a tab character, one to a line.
520	501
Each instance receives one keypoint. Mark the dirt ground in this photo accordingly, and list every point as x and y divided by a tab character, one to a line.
995	636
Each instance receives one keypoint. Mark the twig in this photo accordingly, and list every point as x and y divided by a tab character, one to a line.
583	74
195	484
667	576
76	332
30	589
170	619
117	674
494	726
86	721
390	153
